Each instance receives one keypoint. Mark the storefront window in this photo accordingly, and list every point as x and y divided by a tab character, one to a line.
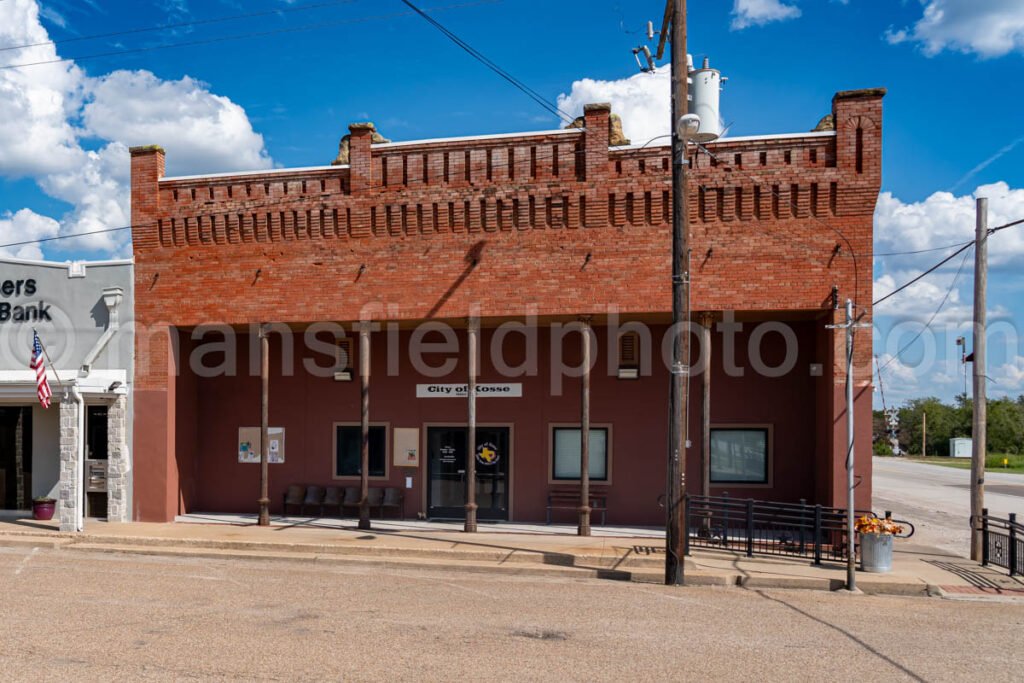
349	446
739	456
566	457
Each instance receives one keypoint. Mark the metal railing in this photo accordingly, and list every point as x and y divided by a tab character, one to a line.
768	528
1002	542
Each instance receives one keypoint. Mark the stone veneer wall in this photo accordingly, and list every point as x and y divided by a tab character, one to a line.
69	455
117	461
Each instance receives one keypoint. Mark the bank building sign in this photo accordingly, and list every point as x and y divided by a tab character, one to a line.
21	313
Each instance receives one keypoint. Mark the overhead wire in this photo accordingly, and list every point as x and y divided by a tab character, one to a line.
242	36
942	303
476	54
923	251
181	24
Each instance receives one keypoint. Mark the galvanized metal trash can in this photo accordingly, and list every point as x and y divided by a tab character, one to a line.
876	553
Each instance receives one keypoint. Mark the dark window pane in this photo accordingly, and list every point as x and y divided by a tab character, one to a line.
739	456
565	463
96	432
348	457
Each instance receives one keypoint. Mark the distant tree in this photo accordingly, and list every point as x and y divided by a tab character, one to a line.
1005	424
942	423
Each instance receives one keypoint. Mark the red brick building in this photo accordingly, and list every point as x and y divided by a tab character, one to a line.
528	232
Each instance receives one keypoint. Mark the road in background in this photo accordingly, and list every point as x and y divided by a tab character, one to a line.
937	499
78	616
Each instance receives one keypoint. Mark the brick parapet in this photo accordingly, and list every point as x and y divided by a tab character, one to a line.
398	225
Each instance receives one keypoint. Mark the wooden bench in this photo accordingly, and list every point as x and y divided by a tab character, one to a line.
569	499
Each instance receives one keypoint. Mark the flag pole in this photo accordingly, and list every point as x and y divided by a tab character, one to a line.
49	361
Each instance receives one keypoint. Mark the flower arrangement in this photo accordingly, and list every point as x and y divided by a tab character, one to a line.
874	525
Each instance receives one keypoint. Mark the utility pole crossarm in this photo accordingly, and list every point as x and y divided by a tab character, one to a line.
665	22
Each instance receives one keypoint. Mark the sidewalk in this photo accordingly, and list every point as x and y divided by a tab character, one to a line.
627	554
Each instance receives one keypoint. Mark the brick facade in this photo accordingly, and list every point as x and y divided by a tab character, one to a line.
555	223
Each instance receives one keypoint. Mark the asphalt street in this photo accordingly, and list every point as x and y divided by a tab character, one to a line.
82	616
937	499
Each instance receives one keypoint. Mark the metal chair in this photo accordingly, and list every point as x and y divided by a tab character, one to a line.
374	499
394	499
332	499
294	496
351	498
315	498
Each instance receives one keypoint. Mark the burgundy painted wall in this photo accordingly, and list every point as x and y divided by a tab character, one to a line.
307	406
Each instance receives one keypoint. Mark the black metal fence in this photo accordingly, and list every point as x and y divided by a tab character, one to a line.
1002	542
768	528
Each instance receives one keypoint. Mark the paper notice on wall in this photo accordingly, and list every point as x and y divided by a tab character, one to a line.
250	445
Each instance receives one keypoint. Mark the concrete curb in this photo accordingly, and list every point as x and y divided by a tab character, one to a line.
510	562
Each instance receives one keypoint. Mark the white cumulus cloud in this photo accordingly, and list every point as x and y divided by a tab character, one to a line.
70	132
944	219
746	13
642	100
22	226
989	29
202	132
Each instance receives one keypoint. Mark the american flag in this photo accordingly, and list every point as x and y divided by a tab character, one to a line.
37	364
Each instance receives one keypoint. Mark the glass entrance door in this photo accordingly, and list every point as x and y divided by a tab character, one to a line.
446	486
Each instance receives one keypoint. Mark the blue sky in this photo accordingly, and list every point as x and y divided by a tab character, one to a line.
952	69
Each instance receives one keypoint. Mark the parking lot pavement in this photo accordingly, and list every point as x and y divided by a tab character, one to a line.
937	499
92	616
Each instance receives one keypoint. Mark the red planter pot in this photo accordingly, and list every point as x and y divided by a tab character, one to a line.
43	510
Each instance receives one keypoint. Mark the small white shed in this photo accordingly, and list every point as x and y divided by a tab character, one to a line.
960	448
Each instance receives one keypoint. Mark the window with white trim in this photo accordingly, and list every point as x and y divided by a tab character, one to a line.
565	457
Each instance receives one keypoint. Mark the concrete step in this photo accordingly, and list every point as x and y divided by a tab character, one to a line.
621	558
32	542
402	562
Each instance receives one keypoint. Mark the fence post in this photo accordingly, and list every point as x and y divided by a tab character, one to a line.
686	524
750	527
725	515
803	522
817	534
1013	544
984	536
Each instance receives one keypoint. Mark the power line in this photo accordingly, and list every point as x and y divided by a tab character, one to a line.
476	54
964	246
924	251
242	36
951	246
183	24
927	272
1005	226
64	237
942	303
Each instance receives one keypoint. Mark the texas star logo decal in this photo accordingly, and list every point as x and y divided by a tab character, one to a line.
487	454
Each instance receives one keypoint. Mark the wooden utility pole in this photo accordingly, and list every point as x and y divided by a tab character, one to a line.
584	525
264	501
471	506
676	475
924	434
364	466
979	427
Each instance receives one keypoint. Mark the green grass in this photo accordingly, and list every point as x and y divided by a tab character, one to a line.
993	463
